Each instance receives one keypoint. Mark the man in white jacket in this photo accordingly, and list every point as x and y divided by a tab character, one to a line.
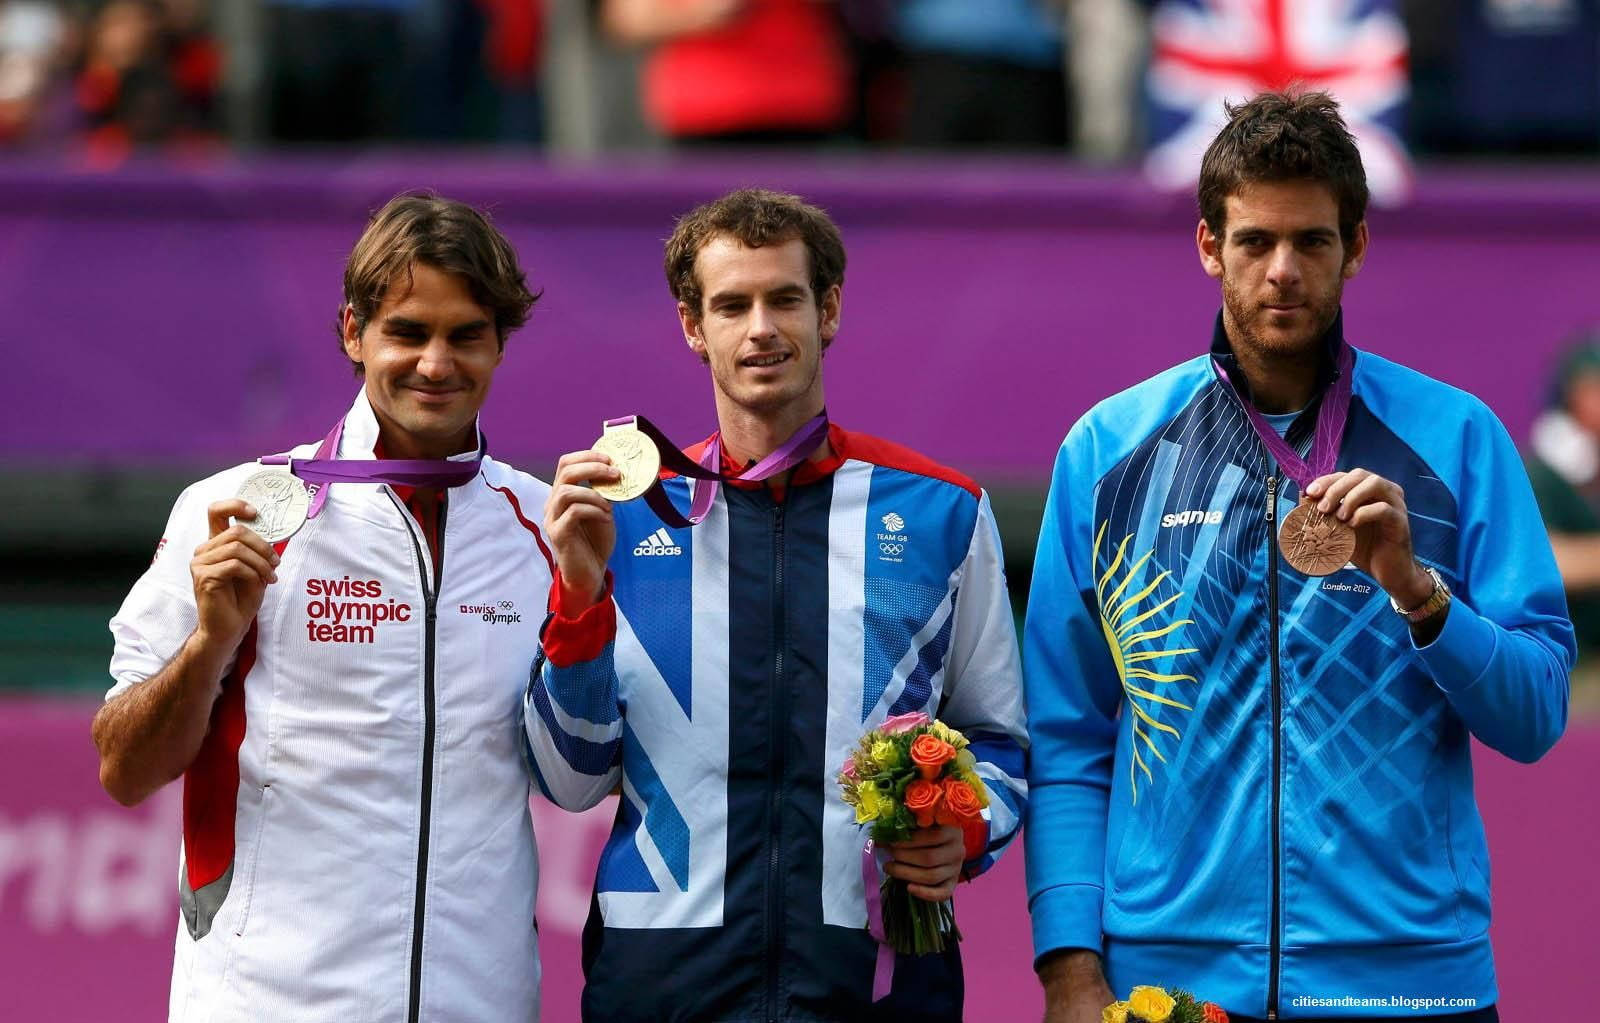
341	701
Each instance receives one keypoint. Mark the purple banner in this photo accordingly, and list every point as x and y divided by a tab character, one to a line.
186	315
89	909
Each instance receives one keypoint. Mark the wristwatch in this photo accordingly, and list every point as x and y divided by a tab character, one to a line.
1437	601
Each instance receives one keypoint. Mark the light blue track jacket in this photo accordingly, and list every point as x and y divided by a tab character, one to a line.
1249	782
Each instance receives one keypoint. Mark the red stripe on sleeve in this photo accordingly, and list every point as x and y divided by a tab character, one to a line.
211	784
569	641
516	509
865	448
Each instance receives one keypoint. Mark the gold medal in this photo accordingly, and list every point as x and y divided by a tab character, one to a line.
1314	543
633	455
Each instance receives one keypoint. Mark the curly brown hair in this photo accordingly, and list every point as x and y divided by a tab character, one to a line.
756	217
450	236
1284	136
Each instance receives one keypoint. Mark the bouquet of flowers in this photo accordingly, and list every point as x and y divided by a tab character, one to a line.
1154	1005
912	773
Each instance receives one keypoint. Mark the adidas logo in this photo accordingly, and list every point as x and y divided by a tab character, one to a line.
657	545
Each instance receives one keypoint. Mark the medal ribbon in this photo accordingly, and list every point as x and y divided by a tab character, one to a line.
708	479
324	468
1324	454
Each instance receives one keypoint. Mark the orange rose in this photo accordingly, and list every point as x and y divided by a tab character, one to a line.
961	804
923	799
930	753
1213	1013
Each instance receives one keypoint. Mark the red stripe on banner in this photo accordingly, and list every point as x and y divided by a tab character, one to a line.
516	508
211	784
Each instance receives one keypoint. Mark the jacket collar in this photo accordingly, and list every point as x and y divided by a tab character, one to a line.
1332	341
805	472
359	440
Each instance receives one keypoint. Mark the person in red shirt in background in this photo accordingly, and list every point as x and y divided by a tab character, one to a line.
737	71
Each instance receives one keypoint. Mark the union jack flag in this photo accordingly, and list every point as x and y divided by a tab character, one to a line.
1206	51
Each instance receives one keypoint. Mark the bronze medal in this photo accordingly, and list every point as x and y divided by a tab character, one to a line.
635	456
1314	543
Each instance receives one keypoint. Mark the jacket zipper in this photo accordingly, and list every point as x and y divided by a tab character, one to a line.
1275	942
430	599
775	772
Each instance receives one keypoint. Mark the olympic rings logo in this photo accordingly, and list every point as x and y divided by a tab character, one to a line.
892	548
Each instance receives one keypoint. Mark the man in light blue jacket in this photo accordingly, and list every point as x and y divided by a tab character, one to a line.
1278	589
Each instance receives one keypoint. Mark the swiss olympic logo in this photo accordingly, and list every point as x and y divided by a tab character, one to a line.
500	612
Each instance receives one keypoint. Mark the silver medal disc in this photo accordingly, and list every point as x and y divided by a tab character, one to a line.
280	501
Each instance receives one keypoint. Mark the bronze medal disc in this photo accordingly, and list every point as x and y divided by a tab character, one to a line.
635	456
1314	543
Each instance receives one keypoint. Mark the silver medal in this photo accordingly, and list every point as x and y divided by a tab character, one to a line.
280	501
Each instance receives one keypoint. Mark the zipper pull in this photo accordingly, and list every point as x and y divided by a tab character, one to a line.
1272	498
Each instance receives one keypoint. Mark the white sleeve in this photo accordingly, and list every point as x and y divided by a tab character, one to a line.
983	685
159	612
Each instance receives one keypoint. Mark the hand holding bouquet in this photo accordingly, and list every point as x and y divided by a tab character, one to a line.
909	774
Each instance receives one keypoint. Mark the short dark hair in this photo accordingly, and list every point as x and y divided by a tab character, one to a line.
447	235
756	218
1284	136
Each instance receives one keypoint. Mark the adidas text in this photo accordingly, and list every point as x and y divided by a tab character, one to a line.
657	545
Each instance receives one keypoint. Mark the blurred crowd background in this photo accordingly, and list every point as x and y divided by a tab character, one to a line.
104	79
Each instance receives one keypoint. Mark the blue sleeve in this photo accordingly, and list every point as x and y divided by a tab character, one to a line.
571	714
1073	693
1506	650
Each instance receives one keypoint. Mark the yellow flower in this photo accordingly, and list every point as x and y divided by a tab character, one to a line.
967	770
886	754
1116	1012
1151	1003
948	734
870	803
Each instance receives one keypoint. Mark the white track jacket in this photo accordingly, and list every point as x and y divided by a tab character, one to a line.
356	837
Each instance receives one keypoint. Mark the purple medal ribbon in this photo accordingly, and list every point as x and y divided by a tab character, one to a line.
871	880
1324	454
708	478
323	468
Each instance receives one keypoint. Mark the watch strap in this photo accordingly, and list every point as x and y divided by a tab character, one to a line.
1436	602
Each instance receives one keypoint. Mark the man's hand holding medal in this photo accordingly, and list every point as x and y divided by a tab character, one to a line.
625	464
579	526
1375	508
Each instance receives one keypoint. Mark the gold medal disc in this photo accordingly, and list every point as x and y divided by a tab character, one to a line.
1314	543
635	456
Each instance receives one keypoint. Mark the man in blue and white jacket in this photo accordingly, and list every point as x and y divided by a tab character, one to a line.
1246	781
721	674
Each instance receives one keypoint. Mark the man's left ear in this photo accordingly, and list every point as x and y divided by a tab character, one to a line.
1358	252
828	328
351	329
689	320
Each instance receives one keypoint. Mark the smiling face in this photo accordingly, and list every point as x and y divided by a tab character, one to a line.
428	355
1282	265
761	329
